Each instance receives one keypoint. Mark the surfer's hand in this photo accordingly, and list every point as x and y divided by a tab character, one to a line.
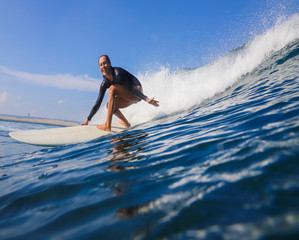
85	123
153	102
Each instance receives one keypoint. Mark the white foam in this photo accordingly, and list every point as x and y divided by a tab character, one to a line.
180	90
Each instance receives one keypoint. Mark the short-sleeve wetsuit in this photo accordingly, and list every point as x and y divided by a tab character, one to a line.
121	77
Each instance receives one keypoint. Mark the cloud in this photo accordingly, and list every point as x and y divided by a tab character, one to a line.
60	102
62	81
3	97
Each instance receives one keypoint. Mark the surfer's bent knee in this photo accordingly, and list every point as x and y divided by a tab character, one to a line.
112	89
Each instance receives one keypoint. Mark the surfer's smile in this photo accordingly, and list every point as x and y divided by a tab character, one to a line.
105	66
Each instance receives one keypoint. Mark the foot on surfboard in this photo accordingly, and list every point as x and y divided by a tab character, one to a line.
104	128
126	124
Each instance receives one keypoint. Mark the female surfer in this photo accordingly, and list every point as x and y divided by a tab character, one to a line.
124	90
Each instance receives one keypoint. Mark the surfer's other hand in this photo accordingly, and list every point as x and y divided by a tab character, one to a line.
85	123
153	102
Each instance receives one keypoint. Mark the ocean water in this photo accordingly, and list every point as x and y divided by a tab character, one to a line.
217	160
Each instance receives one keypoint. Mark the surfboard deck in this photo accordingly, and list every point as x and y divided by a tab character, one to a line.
63	135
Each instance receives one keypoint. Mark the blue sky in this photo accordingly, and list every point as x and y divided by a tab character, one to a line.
49	49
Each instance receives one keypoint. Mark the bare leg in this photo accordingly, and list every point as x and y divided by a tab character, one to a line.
123	120
111	103
119	97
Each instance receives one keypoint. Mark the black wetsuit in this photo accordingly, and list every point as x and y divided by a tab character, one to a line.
121	77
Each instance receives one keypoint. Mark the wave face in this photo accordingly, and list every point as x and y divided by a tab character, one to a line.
184	89
218	160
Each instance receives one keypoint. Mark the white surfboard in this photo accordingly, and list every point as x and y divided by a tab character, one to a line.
63	135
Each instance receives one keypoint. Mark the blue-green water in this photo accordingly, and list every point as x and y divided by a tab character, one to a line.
223	168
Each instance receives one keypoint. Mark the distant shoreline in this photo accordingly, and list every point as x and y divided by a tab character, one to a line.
38	120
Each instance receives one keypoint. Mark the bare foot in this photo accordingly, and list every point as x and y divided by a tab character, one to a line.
104	128
126	124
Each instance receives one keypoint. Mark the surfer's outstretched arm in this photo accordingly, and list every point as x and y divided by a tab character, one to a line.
97	105
152	101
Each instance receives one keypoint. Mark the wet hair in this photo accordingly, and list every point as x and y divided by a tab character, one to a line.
106	56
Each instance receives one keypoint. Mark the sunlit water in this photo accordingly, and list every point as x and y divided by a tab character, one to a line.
217	160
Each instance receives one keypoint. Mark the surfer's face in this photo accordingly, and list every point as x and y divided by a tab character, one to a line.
105	66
